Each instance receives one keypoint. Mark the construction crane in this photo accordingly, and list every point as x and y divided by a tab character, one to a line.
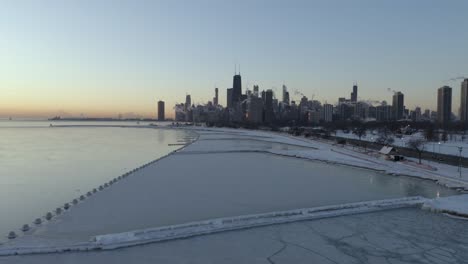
456	79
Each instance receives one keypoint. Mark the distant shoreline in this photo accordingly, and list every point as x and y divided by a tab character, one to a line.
106	119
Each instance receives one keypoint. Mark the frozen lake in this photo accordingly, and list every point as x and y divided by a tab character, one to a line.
189	186
222	174
43	167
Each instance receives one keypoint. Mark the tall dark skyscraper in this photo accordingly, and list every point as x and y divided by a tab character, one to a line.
285	95
269	106
215	99
464	102
354	93
236	89
444	104
229	98
188	101
398	105
161	115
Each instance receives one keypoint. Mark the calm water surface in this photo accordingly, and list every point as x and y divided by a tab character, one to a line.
42	167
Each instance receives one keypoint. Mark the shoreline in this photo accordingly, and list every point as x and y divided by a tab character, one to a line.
457	184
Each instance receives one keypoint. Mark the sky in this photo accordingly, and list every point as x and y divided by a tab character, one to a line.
105	57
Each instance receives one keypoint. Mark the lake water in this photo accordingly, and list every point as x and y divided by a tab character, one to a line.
42	167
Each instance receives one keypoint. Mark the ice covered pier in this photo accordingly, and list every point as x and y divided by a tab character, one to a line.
166	233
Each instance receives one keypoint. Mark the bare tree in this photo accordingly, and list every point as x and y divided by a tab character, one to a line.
417	144
360	131
385	137
429	133
444	136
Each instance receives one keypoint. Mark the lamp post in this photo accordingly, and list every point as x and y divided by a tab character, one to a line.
438	153
460	149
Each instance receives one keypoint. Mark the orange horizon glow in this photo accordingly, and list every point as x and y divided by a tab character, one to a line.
15	112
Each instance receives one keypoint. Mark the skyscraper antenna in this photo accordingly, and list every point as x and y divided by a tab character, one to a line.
239	69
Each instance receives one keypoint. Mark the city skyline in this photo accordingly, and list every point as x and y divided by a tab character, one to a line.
104	62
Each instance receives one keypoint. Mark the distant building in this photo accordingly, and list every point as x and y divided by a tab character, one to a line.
269	115
255	91
236	89
359	110
464	102
345	111
444	104
416	114
427	114
285	95
371	112
314	117
216	98
254	110
229	98
398	105
354	94
384	113
180	113
188	102
161	116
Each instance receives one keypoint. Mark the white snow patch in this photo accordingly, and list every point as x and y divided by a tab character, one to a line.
453	205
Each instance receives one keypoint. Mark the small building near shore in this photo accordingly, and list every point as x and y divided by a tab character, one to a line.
390	153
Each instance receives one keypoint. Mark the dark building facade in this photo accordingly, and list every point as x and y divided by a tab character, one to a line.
216	98
269	106
236	89
161	114
444	104
354	93
464	102
188	101
229	98
398	105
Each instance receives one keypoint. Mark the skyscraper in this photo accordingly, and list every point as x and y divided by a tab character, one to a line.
354	93
215	99
269	106
398	105
161	116
229	97
188	102
254	109
464	102
236	89
255	90
327	113
444	104
285	95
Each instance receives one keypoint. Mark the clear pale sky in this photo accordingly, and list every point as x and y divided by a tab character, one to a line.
105	57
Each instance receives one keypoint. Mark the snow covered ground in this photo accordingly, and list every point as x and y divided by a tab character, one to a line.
450	147
229	172
453	205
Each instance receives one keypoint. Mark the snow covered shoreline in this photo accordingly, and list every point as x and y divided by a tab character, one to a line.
333	154
452	205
